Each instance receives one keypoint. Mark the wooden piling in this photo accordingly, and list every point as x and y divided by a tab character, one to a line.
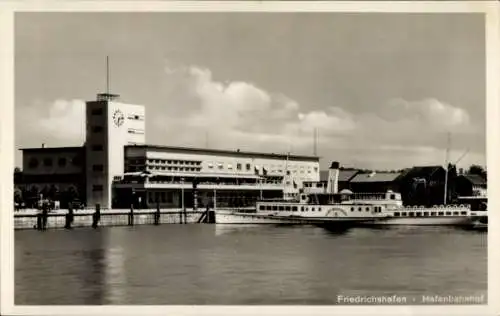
96	216
157	214
131	216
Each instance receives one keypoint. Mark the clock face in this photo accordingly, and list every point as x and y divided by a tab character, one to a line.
118	118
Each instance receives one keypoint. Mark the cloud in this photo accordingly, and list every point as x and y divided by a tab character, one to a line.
59	123
239	114
199	110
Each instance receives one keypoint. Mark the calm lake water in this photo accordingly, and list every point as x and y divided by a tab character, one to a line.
214	264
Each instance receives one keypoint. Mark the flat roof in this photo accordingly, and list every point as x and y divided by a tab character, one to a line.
53	149
239	153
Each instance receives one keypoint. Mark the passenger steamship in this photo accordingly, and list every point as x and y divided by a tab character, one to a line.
346	207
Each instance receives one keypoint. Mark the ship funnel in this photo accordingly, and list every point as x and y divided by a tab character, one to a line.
333	178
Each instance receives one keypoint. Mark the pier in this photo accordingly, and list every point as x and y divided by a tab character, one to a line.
60	219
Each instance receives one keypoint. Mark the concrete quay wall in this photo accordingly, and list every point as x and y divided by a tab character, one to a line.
27	219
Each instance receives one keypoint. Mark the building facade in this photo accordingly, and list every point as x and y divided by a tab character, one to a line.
53	173
192	177
115	167
110	126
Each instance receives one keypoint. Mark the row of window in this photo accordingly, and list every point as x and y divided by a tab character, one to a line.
376	209
420	214
287	208
210	165
168	162
172	168
49	162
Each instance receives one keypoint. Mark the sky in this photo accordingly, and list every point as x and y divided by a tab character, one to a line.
383	90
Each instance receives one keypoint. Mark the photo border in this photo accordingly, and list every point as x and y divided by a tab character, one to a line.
7	12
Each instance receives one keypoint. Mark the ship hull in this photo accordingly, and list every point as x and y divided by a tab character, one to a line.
223	217
427	221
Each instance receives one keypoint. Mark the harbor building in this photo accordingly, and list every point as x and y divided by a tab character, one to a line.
154	174
116	168
53	173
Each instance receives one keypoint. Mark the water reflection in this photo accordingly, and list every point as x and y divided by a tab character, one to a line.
224	264
59	267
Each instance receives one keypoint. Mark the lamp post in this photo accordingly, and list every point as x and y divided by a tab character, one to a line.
182	193
215	199
260	186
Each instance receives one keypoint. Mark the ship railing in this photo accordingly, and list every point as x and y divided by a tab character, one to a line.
368	196
444	207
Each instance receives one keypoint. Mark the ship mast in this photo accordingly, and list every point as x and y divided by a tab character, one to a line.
286	175
446	168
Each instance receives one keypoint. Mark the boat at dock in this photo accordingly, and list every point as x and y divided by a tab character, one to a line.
321	204
302	211
375	209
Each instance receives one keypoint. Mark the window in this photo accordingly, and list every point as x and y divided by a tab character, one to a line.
135	117
359	209
249	167
448	213
426	213
433	213
275	208
287	208
61	162
352	209
367	209
97	168
411	214
33	163
76	161
97	111
96	129
440	213
463	213
418	214
281	208
302	209
455	213
294	208
47	162
262	207
97	148
238	166
403	213
396	214
319	209
135	131
312	209
97	187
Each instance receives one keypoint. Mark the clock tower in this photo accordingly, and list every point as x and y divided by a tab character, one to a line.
111	125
